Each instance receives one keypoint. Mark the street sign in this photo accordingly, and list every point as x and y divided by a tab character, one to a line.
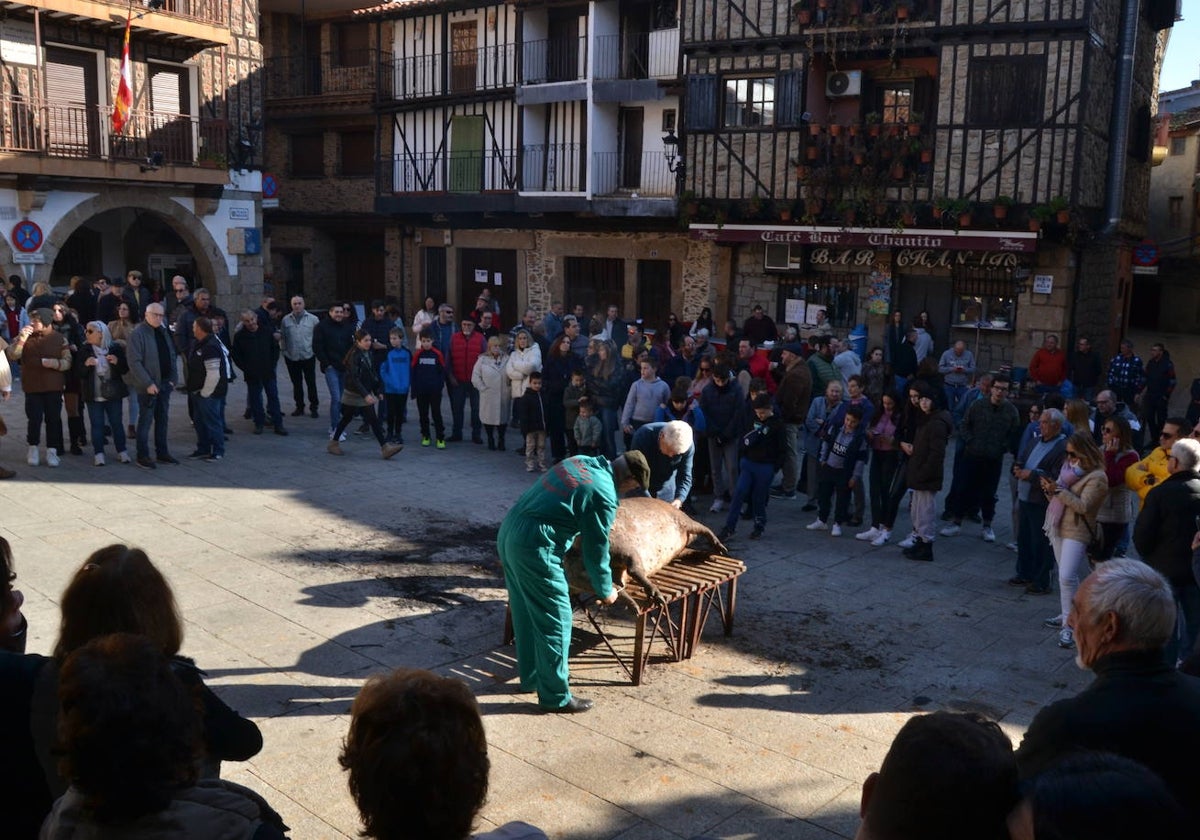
270	186
1146	253
27	236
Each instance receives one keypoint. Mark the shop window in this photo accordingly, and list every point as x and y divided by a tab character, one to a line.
749	103
837	294
984	299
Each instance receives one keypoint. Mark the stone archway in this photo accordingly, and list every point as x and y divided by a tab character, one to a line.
210	258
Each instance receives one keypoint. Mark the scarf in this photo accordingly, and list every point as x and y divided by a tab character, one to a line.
1056	508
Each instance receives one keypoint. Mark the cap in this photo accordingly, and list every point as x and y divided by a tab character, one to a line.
638	467
794	347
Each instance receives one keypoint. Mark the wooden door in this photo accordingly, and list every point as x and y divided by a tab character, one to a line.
466	154
360	268
631	128
464	56
654	292
935	296
594	282
488	268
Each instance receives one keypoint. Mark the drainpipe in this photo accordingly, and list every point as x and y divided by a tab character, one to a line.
1118	133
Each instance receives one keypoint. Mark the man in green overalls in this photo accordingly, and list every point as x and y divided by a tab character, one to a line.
577	497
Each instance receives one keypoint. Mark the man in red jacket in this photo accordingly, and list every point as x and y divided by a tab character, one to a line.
1048	368
466	346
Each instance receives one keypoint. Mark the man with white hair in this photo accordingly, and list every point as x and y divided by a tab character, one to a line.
1139	706
1164	532
669	450
1039	457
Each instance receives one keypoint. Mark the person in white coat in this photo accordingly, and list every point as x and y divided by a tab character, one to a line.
490	378
525	358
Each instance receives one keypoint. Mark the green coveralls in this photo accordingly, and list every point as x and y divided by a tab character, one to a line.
576	497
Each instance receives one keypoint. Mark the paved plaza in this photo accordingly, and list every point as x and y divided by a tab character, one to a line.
299	574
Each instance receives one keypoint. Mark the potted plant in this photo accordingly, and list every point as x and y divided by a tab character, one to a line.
812	151
1000	206
211	160
784	210
908	216
848	210
940	206
902	10
897	171
1038	216
916	120
873	123
960	211
835	129
1060	209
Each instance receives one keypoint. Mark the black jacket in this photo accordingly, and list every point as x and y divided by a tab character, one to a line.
331	342
1165	527
1137	707
764	443
362	375
531	412
87	382
928	459
256	352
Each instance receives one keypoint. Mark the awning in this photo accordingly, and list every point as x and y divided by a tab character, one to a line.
834	237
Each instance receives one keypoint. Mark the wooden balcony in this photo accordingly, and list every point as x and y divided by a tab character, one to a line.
77	141
201	22
346	77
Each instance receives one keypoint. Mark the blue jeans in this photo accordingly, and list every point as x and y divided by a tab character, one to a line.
1035	557
954	394
754	482
152	408
255	390
333	381
210	428
610	422
108	412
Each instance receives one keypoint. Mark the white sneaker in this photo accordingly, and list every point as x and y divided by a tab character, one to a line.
819	525
123	457
950	530
836	530
51	457
717	506
32	458
988	534
909	541
99	460
1066	638
868	535
1012	546
884	537
1055	621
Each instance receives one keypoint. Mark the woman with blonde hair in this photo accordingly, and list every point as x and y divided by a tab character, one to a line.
525	358
490	379
1075	500
1078	415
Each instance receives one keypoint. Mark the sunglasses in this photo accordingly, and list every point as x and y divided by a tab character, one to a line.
1071	453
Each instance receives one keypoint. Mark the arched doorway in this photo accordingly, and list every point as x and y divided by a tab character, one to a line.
116	241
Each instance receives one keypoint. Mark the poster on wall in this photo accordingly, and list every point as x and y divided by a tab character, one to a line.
879	300
816	314
793	311
498	279
481	275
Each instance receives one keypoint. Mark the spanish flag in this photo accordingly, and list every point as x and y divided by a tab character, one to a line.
124	101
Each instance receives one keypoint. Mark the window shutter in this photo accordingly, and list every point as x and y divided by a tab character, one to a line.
166	95
73	99
788	93
700	103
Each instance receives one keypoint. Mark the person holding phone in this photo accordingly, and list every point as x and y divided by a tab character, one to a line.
1045	453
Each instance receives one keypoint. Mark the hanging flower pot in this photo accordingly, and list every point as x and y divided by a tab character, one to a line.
873	129
893	129
822	4
964	220
908	219
814	129
785	215
1062	216
902	12
803	171
859	158
1000	211
1034	225
926	155
898	171
850	215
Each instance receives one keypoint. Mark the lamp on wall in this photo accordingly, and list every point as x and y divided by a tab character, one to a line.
675	163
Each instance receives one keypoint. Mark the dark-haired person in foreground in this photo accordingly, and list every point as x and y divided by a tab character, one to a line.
418	762
946	776
130	732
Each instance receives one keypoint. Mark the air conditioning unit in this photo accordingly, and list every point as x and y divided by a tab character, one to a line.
843	83
783	257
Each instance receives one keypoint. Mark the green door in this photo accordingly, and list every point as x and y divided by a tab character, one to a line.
466	154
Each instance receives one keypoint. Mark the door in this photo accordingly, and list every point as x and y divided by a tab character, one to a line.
594	282
72	103
170	128
433	260
466	154
635	40
313	61
631	128
935	296
464	56
562	57
360	268
488	268
654	292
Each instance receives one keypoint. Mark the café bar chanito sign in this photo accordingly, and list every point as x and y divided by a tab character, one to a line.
934	239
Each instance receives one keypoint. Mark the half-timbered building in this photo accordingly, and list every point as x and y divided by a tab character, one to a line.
175	190
985	162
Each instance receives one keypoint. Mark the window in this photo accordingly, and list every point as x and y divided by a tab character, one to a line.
984	298
1006	91
593	281
308	155
749	103
351	44
668	123
837	294
1178	145
895	104
1175	211
357	153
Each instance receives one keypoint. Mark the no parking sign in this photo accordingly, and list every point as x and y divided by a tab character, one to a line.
27	237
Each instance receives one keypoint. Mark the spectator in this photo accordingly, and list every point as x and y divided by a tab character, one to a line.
43	297
885	452
66	324
138	294
466	346
120	330
816	423
926	466
614	328
1163	536
895	335
753	365
1150	471
704	348
207	383
645	396
128	729
15	285
820	364
296	335
1075	500
842	462
1138	706
587	429
6	383
525	358
669	449
1100	796
152	375
13	318
704	321
676	330
573	329
1048	367
417	760
605	380
256	351
722	402
428	378
557	367
987	432
379	325
332	340
1107	406
1117	512
426	315
957	367
1039	457
635	342
396	373
877	374
904	359
101	365
730	333
684	363
492	383
761	451
845	360
1126	374
532	413
923	345
575	391
106	305
553	322
759	327
81	299
363	393
946	776
793	398
1083	370
1160	384
45	357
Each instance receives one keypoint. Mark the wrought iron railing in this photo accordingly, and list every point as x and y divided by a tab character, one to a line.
462	71
80	131
328	73
553	60
442	172
619	173
643	55
554	167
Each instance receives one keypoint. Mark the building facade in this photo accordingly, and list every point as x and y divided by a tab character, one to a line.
948	158
177	190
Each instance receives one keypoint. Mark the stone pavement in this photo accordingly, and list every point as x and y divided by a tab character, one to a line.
299	574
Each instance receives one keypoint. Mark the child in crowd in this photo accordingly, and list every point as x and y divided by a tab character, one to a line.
843	457
428	377
532	413
574	392
587	429
761	451
395	373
